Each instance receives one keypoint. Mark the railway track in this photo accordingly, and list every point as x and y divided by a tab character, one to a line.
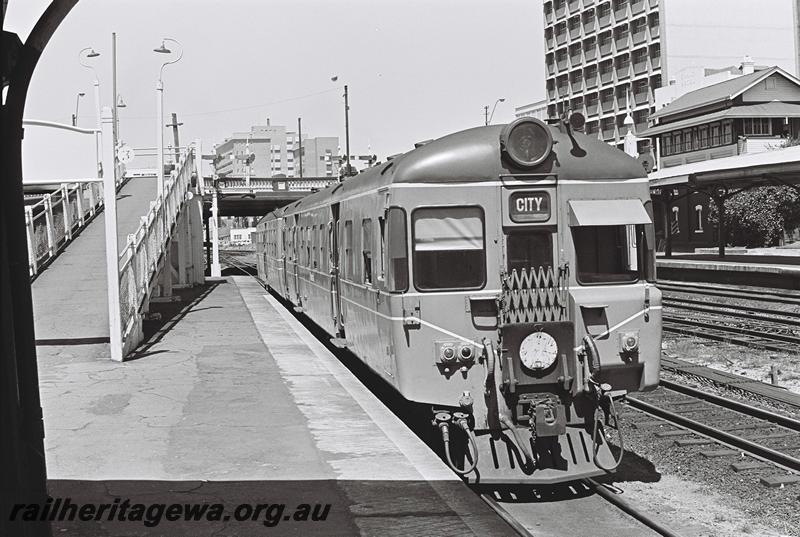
233	260
530	512
707	418
747	324
778	296
732	382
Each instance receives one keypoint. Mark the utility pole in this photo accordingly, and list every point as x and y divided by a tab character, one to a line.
175	126
347	129
300	144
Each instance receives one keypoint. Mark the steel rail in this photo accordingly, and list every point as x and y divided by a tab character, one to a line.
506	516
725	338
246	269
735	330
734	382
601	490
738	442
731	292
731	404
739	310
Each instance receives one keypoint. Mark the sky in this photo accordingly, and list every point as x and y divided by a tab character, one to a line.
416	69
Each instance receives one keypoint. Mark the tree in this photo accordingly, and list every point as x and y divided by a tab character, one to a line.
759	216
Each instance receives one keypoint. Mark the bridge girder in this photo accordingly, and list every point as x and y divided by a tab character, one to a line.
257	204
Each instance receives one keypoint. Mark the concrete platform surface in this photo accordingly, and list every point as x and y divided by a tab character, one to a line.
237	404
774	264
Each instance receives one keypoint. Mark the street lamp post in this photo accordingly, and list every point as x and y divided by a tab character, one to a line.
77	103
486	114
114	104
160	107
91	53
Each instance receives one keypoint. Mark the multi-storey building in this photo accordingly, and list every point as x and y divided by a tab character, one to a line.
537	110
276	153
606	58
319	156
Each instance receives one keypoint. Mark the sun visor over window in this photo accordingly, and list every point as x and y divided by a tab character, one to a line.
607	212
461	229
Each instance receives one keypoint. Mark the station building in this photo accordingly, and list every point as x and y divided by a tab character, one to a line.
607	58
715	127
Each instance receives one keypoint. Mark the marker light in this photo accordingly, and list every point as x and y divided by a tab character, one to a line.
465	353
526	141
448	354
629	341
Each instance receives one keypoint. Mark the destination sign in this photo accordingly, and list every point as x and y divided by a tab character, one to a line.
527	207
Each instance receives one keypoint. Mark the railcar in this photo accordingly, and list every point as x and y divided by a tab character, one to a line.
503	276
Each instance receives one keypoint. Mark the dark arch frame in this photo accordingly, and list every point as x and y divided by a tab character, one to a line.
22	462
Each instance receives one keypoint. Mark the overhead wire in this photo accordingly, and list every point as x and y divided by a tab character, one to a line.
249	107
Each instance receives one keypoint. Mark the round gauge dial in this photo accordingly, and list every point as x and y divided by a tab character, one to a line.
538	351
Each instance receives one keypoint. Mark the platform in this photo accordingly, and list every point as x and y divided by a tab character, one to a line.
778	271
236	403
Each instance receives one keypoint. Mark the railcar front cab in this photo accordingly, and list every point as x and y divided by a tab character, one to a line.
572	314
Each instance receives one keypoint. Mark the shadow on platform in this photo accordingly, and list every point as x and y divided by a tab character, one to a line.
244	508
165	315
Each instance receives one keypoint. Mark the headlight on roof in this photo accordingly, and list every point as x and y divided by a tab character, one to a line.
526	141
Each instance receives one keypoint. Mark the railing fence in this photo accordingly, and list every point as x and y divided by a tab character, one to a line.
52	222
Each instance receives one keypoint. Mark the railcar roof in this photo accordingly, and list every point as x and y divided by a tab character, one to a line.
474	155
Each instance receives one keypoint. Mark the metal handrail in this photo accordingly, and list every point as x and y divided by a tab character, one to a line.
52	222
140	261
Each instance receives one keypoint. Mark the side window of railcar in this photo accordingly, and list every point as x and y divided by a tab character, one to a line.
449	249
529	249
348	249
323	247
317	245
396	250
308	246
647	244
300	245
381	270
366	249
607	254
312	253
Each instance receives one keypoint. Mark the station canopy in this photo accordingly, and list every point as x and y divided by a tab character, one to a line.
779	166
